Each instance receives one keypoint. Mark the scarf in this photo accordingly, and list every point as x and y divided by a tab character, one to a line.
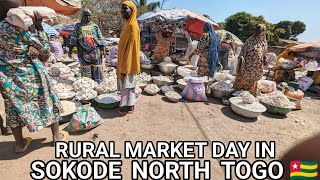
129	45
214	48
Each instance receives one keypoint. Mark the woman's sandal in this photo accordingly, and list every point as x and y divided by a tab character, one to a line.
65	137
28	141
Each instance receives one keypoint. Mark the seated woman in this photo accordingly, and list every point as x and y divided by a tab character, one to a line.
165	41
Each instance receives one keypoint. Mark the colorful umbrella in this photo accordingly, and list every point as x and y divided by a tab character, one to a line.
65	7
223	34
193	20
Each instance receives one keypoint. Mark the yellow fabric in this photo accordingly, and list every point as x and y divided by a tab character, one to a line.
284	54
129	45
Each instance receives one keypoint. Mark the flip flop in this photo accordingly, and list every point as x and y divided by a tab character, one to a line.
28	141
65	135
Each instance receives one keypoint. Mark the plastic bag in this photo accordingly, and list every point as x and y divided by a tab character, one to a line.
85	118
191	48
305	82
195	91
185	72
311	66
266	86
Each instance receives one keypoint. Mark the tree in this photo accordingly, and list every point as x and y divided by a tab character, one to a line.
222	25
207	16
242	24
144	7
163	1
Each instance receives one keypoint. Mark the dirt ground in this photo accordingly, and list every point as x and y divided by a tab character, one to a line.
158	120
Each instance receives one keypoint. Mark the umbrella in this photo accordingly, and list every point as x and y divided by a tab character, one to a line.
223	34
65	7
50	30
193	20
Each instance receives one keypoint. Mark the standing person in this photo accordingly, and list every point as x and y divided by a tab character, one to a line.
24	82
128	57
90	43
208	49
251	61
226	47
165	41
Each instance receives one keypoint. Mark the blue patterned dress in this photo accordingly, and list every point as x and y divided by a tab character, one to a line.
24	81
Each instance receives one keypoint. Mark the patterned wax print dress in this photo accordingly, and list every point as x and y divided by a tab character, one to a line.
24	81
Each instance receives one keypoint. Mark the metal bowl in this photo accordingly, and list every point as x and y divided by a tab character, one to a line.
162	83
107	105
239	109
181	83
287	66
147	66
220	94
182	62
167	69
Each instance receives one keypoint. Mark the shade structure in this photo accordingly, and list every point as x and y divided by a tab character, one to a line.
311	46
223	34
193	20
65	7
50	30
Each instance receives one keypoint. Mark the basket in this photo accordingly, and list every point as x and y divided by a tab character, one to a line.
244	112
277	110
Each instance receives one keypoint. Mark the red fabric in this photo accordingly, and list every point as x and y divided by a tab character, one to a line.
57	5
195	27
63	33
293	164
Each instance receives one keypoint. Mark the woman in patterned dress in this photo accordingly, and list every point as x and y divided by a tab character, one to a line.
165	41
90	44
251	61
128	58
24	82
208	49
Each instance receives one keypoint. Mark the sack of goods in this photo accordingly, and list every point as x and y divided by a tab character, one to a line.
195	90
296	97
21	16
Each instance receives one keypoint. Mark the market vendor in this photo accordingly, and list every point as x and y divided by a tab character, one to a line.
24	83
90	44
128	58
165	43
252	59
226	46
208	49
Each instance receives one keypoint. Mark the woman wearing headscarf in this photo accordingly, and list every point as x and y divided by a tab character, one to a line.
90	43
208	49
251	61
24	83
128	57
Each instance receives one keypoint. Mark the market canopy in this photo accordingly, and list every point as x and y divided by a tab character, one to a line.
223	34
65	7
311	46
194	20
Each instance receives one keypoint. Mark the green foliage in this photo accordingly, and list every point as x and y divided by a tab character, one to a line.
222	25
144	7
207	16
242	24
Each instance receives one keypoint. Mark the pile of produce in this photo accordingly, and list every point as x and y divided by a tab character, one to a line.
144	77
152	89
173	95
84	83
162	78
86	94
54	72
165	89
247	98
222	86
107	87
277	99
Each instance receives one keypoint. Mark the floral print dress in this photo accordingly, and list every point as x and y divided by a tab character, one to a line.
25	83
202	50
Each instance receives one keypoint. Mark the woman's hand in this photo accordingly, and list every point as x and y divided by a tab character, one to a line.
37	21
33	52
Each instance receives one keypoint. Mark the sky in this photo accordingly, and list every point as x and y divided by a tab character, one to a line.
273	10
